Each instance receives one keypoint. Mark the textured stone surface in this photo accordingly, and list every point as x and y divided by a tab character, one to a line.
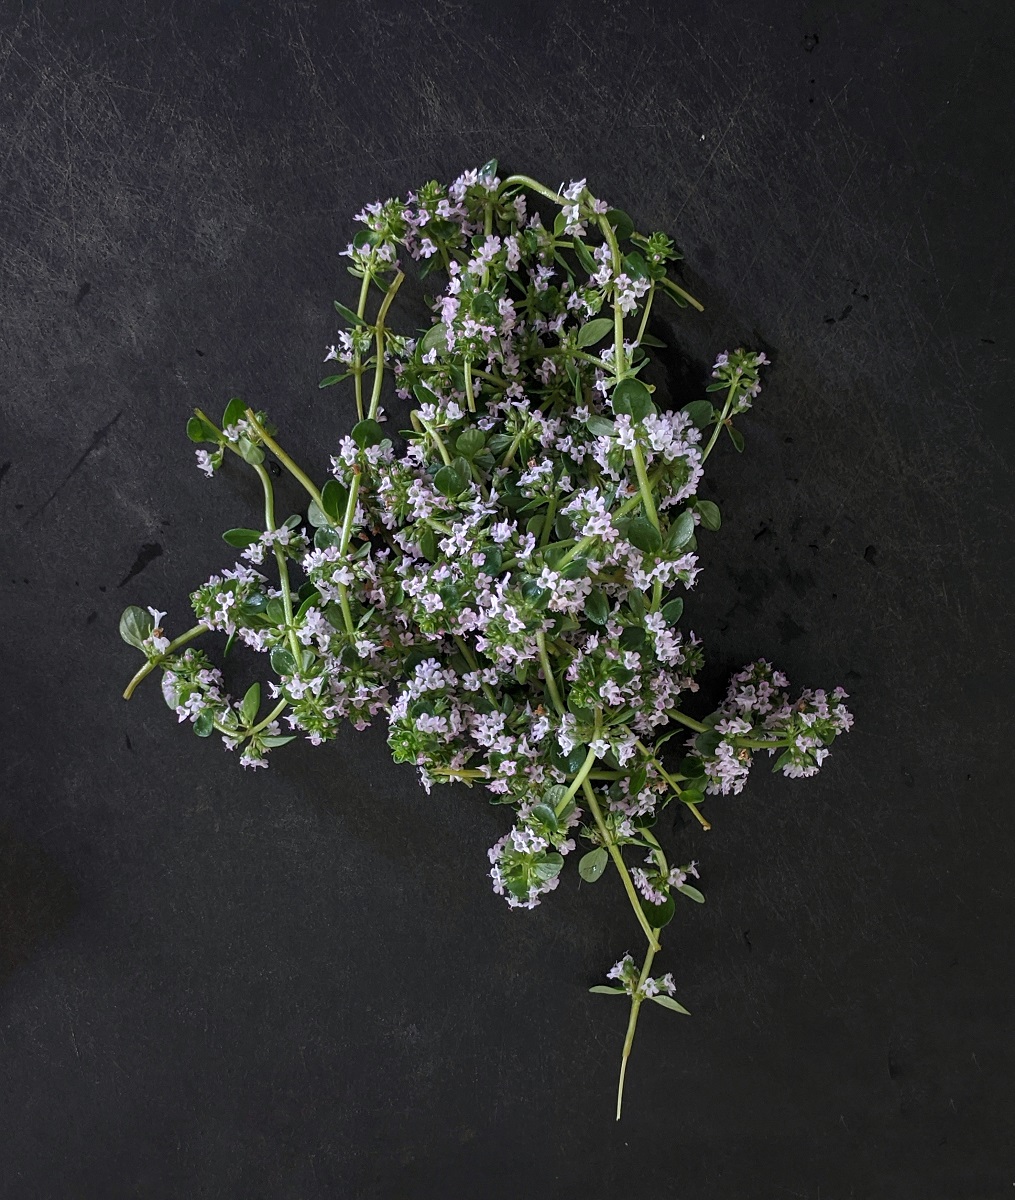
299	984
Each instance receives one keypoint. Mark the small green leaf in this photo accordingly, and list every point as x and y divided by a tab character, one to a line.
643	534
553	796
692	795
547	868
312	599
597	608
584	257
317	516
135	625
367	433
784	758
435	338
707	743
250	451
633	637
240	539
658	915
594	331
204	724
669	1002
282	661
603	990
601	426
349	315
656	343
251	703
273	740
635	265
334	498
691	892
331	380
424	395
710	516
692	767
622	224
737	438
633	398
448	482
199	430
701	413
673	611
681	531
235	410
428	545
593	864
470	443
545	815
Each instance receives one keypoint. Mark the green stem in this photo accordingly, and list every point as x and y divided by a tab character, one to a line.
562	352
686	295
551	683
470	398
648	309
458	772
684	719
632	1024
379	329
152	663
283	568
579	781
644	487
487	230
357	362
532	185
284	459
755	744
513	448
722	421
471	659
275	712
485	375
618	313
343	549
382	312
678	791
441	448
618	861
551	513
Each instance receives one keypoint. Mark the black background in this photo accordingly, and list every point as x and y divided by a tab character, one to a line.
299	984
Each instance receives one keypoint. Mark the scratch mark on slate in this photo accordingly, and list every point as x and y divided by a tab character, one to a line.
98	437
148	553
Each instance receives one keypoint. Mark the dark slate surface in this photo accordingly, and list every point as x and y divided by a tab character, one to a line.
299	984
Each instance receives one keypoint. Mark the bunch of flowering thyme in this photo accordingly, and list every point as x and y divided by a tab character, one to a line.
502	582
